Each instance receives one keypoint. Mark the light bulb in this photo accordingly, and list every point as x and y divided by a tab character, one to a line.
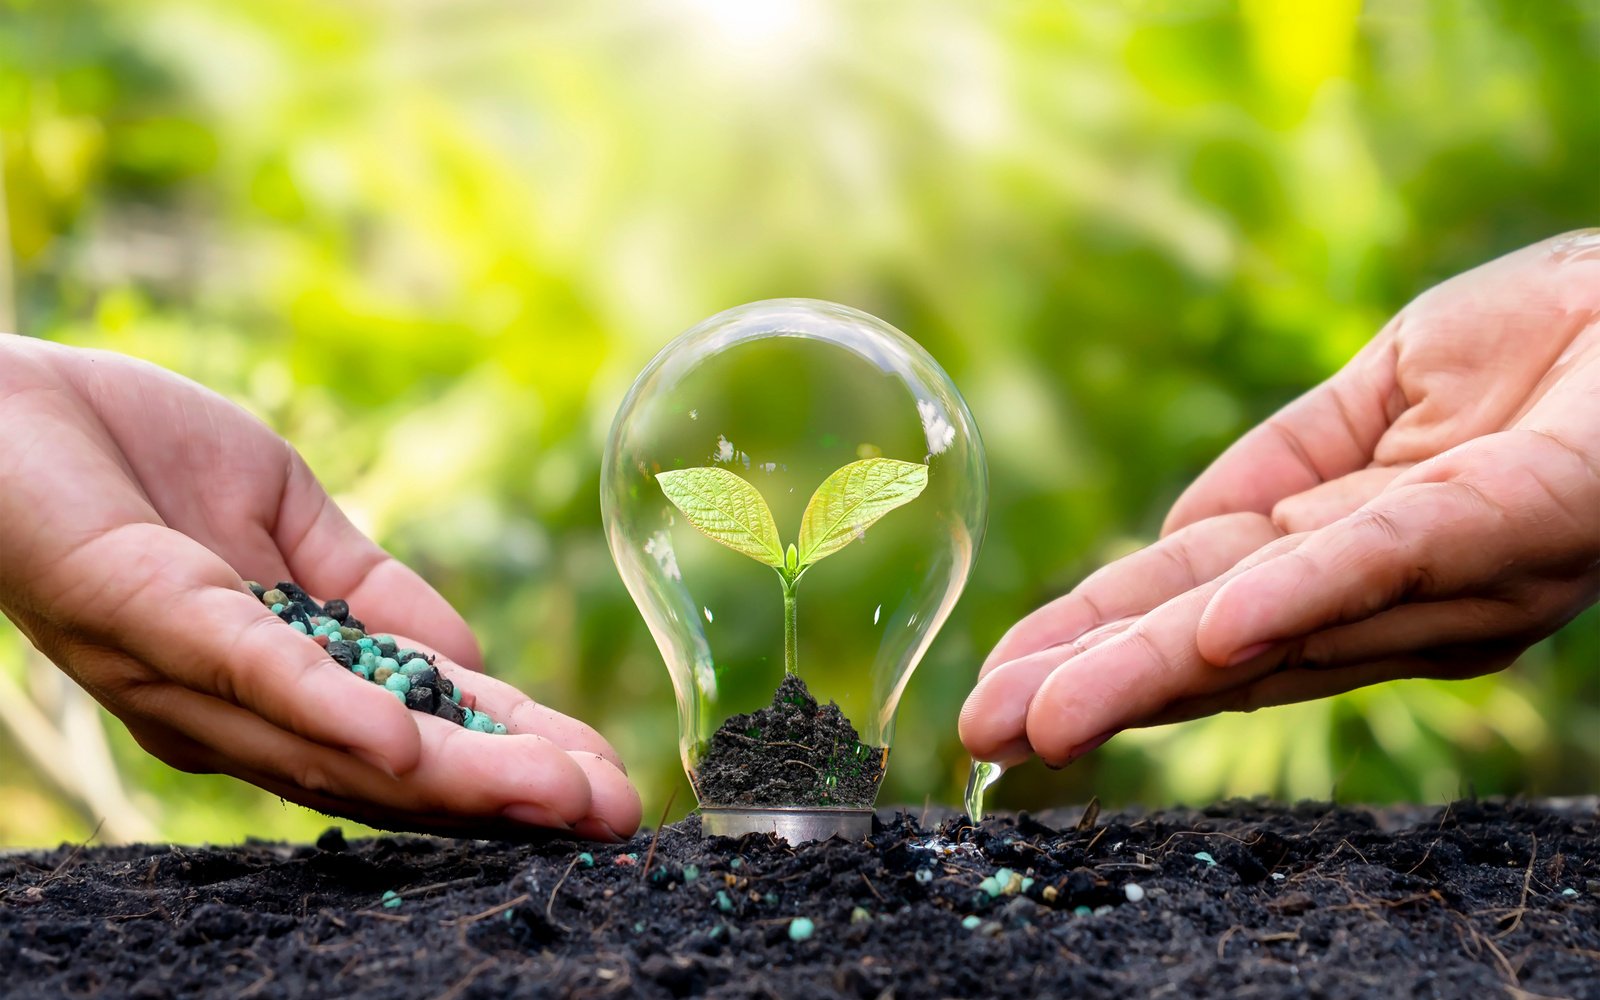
794	493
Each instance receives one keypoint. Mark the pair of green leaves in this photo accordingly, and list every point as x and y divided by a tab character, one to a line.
728	509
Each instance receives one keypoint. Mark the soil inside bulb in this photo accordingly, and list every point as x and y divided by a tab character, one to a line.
794	752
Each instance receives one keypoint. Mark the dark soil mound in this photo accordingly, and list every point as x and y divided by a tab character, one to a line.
1240	900
791	753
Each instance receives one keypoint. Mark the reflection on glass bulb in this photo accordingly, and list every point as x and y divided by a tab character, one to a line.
794	493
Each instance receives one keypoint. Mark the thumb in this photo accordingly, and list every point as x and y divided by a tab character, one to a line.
1329	432
330	557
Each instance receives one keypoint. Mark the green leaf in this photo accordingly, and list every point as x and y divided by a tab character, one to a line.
726	509
852	499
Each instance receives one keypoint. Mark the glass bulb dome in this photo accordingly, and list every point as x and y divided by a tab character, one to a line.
794	493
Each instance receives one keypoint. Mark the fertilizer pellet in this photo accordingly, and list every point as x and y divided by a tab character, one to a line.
407	674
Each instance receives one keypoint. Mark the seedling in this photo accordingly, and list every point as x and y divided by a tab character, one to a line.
730	511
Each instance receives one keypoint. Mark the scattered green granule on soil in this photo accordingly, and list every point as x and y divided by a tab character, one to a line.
408	674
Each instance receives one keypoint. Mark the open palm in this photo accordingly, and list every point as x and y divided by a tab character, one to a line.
1430	511
133	504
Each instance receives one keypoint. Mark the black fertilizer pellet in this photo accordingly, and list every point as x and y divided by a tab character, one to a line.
375	659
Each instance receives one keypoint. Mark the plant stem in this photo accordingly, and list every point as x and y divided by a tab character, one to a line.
791	635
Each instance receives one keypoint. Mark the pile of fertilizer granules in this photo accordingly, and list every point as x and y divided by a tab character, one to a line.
408	673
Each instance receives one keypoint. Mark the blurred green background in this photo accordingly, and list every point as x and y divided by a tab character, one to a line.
431	243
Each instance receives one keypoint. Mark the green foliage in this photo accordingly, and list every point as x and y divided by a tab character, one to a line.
727	509
852	499
432	250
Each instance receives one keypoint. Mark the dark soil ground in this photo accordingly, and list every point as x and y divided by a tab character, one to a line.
793	752
1241	900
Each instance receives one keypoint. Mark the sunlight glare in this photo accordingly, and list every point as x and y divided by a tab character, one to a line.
752	23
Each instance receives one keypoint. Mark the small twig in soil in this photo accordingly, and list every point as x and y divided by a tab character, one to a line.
1205	833
1352	847
1227	935
1431	894
1499	956
461	985
257	986
1515	916
452	884
551	902
486	914
650	855
1095	839
770	743
134	916
872	888
77	849
803	764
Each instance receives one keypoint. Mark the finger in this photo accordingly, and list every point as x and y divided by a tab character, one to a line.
994	720
330	557
1297	684
175	606
1326	503
1419	542
1121	682
520	713
1132	676
463	776
1422	628
1329	432
615	809
1137	583
172	749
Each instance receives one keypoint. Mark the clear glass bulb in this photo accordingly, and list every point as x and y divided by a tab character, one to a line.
794	493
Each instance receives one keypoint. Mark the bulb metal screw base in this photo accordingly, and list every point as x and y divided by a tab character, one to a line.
797	826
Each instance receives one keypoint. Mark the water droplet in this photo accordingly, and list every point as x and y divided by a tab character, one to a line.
1582	244
983	775
876	613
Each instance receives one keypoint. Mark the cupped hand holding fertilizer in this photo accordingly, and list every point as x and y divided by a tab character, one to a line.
133	506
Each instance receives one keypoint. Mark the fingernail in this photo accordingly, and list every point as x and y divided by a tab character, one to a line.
534	815
376	760
596	829
1249	652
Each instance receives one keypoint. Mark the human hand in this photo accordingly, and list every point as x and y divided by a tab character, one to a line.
1430	511
133	503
